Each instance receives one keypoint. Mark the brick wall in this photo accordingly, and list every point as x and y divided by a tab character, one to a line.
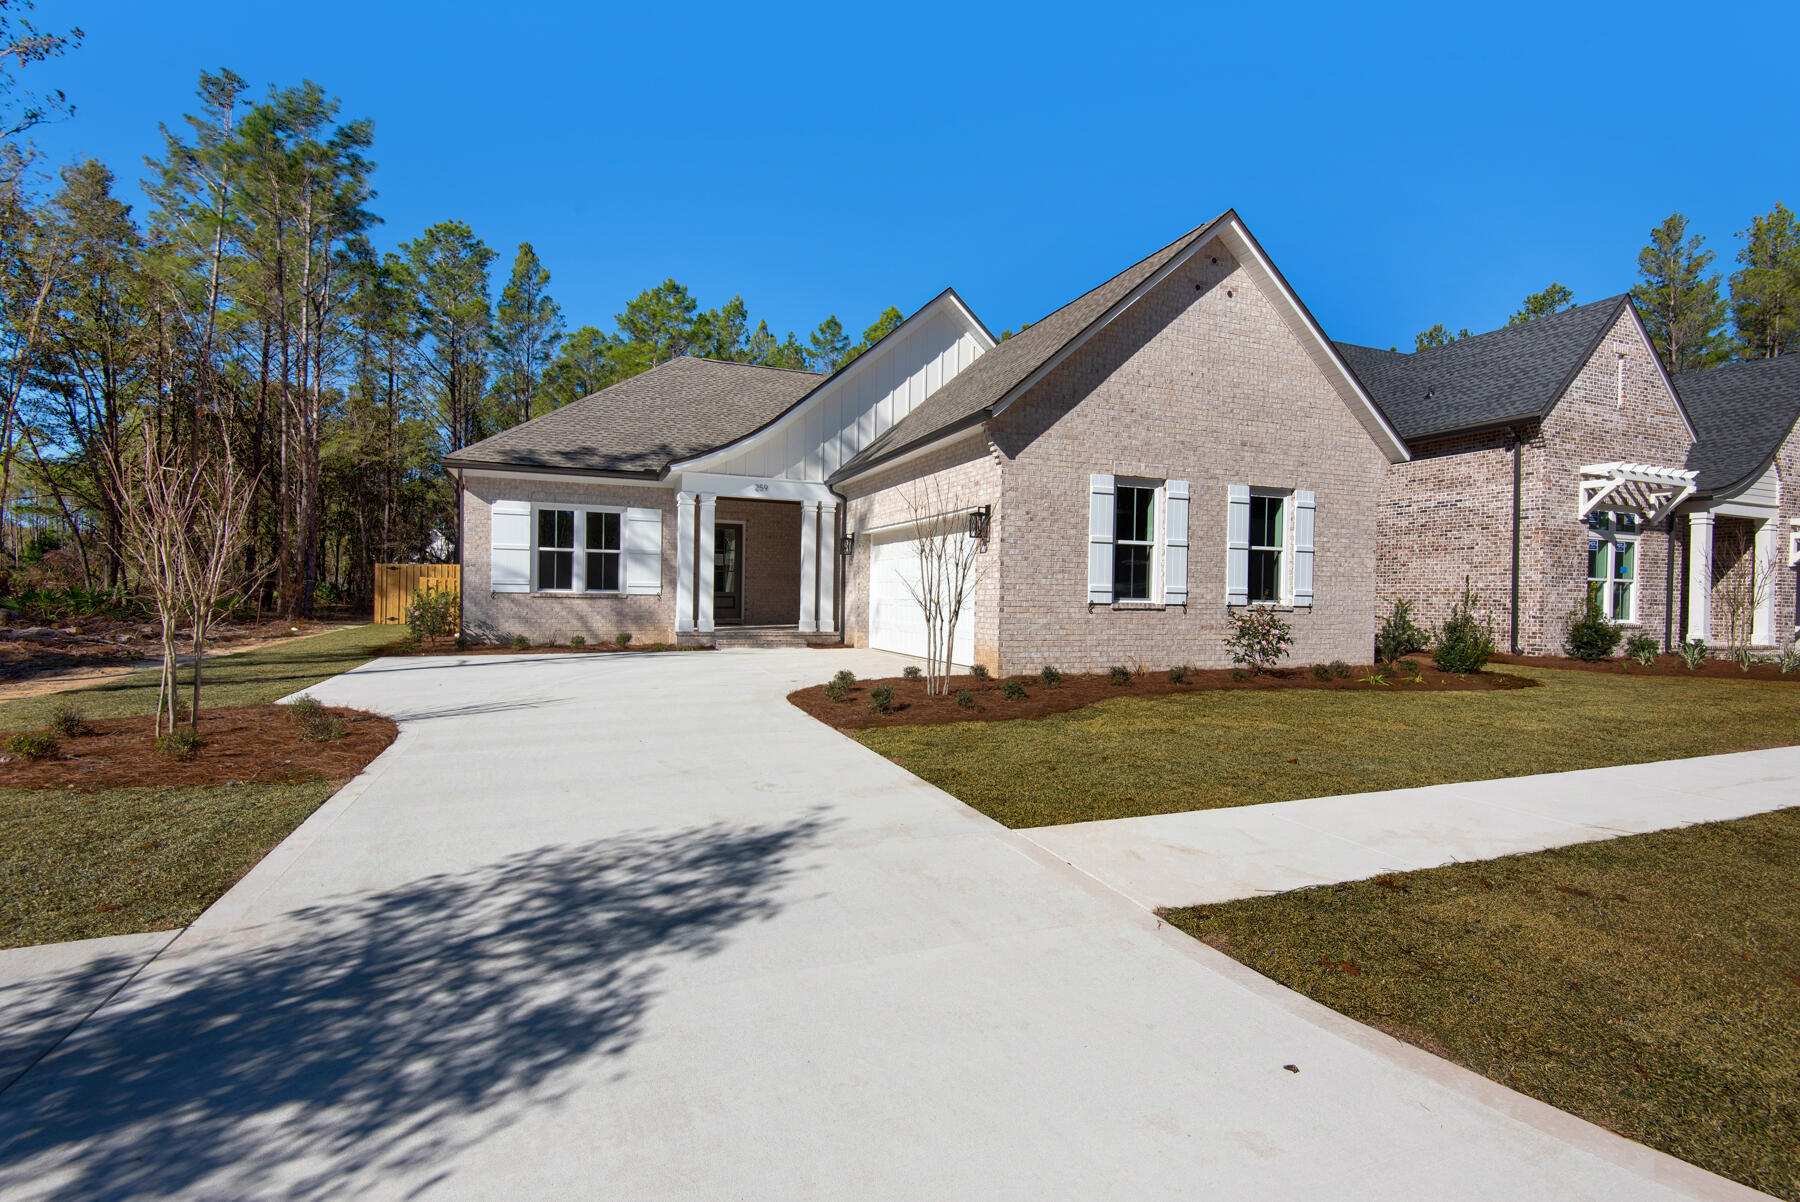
1449	511
552	617
1787	576
771	558
1201	380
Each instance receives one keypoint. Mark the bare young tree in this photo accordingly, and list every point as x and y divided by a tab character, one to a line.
946	573
1743	590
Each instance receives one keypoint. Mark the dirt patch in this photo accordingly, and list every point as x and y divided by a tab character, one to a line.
92	648
1664	665
913	707
252	744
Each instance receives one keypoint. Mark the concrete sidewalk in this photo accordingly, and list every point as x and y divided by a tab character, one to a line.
631	926
1204	856
48	990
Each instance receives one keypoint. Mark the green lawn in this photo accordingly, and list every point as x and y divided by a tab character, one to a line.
249	678
1155	755
1650	983
76	865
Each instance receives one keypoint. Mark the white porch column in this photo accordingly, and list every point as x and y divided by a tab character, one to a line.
1768	571
828	551
684	562
1699	575
809	564
703	577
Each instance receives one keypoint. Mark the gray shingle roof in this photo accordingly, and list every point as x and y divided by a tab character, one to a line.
1514	373
977	388
678	409
1742	412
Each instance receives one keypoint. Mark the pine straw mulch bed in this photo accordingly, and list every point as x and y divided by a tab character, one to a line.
913	707
252	744
1665	665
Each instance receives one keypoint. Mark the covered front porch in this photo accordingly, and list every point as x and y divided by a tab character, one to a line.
756	562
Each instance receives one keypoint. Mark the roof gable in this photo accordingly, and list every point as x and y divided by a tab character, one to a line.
1010	369
1742	413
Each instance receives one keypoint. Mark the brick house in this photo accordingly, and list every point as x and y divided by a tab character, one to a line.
1178	442
1555	460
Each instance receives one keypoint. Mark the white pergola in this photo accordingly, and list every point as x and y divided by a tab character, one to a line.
1650	492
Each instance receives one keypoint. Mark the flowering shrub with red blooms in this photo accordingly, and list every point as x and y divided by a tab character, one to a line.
1258	639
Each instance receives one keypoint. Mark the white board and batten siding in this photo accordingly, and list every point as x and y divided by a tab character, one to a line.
512	549
879	388
1760	497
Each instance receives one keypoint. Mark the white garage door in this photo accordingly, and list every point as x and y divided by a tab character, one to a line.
896	622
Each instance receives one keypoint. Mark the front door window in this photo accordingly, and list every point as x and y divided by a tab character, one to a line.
728	573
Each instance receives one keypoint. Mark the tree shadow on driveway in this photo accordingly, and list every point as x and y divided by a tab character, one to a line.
386	1031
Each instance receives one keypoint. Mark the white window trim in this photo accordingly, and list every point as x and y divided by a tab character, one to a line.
1284	598
1611	538
1159	506
578	572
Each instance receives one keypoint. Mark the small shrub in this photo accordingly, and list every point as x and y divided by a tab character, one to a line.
1014	690
836	690
1410	667
913	672
1399	634
1693	653
881	698
577	640
622	639
1741	656
1178	675
1642	648
519	642
1259	639
33	745
1321	671
1050	677
181	745
1118	675
1239	675
66	720
965	699
303	707
844	678
1790	659
979	671
431	613
1466	643
321	726
1591	638
1340	669
462	642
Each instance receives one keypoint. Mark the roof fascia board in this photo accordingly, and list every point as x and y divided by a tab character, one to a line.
1504	423
752	488
900	456
797	411
498	471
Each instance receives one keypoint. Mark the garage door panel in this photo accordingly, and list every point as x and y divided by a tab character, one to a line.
896	621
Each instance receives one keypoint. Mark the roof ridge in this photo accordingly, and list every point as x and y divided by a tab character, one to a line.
1514	327
802	371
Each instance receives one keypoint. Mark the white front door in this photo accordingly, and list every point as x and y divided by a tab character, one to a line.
896	621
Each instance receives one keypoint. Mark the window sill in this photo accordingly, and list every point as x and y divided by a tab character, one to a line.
1143	606
1272	607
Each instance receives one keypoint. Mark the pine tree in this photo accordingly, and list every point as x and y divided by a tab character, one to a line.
658	325
1553	299
528	329
830	345
1765	293
446	271
1438	335
586	363
884	325
1680	303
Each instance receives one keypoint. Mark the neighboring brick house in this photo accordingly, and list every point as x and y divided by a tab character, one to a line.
1180	441
1555	460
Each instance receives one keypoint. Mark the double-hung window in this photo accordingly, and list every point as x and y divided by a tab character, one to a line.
1612	564
1268	540
556	549
604	552
580	550
1134	543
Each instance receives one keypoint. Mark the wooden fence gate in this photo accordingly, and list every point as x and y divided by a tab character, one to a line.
395	582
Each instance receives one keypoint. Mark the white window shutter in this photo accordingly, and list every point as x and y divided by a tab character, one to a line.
1100	539
1304	510
1237	546
1175	542
509	547
643	551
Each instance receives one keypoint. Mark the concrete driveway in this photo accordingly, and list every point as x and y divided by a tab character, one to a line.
633	927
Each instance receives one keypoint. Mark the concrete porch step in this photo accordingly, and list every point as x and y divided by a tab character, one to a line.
772	636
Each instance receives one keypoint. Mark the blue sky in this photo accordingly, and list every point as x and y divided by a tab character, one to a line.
1403	164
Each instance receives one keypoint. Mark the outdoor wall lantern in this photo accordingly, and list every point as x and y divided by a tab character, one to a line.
978	523
847	544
